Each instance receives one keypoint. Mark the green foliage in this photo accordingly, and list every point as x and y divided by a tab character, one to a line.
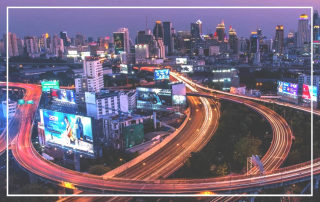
98	169
240	134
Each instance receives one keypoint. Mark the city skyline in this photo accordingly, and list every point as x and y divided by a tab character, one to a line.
147	19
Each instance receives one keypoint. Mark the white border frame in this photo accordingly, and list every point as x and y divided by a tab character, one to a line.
156	7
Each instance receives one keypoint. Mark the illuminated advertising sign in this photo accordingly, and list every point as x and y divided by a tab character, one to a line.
285	88
68	130
310	93
63	95
47	85
118	39
186	68
160	74
179	100
85	54
181	61
154	98
123	68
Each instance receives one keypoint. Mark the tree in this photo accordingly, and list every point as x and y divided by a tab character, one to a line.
98	169
222	170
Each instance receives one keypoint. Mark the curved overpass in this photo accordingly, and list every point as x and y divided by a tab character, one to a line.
32	161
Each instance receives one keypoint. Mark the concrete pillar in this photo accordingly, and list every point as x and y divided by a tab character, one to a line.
76	161
155	120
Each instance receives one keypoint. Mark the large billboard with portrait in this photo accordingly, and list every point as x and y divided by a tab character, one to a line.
63	95
67	130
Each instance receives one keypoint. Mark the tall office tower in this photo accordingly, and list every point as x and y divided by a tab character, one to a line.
233	41
196	29
279	39
141	53
79	40
303	34
158	30
255	48
92	78
126	38
12	44
254	42
65	38
168	36
161	47
220	30
57	46
144	37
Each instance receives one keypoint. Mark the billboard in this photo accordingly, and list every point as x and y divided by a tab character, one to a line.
68	130
118	39
186	68
154	98
310	93
47	85
133	135
286	88
179	94
123	68
181	61
160	74
63	95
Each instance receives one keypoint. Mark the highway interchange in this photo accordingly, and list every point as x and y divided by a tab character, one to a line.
142	176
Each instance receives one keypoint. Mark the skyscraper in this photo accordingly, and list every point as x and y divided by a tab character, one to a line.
279	39
220	30
65	38
254	42
168	36
126	38
196	29
12	44
158	30
233	41
303	34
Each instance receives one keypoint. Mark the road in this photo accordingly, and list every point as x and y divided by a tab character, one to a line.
25	154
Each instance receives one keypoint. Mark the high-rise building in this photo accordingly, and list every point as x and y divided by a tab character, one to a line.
196	29
12	44
303	34
92	78
121	41
126	39
141	53
279	39
220	30
79	40
161	48
168	36
254	42
31	44
233	41
65	38
57	46
158	30
109	102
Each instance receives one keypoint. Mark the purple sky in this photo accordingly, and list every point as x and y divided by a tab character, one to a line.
103	22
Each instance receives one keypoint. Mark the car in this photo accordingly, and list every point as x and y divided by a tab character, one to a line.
30	102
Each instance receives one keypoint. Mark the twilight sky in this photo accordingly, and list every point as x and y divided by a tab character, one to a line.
102	22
